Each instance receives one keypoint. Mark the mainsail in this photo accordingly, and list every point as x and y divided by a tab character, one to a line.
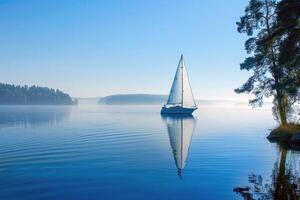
181	91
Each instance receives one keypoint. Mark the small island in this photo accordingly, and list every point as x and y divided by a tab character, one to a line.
33	95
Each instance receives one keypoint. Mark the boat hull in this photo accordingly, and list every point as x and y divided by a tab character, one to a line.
177	110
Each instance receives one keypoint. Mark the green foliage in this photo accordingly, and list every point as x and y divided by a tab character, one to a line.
24	95
257	21
288	26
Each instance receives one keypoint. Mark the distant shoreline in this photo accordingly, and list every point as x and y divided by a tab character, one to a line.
33	95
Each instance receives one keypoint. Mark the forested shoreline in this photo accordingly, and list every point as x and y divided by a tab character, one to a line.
33	95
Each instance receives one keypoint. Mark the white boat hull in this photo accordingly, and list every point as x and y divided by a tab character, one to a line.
177	110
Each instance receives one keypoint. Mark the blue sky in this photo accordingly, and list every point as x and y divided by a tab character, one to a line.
92	48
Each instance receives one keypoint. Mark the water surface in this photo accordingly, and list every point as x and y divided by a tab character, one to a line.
131	152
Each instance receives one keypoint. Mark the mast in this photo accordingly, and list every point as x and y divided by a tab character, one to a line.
181	59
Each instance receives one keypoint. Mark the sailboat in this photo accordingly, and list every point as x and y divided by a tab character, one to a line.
181	99
180	131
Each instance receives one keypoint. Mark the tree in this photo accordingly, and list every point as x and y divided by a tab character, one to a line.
288	29
266	48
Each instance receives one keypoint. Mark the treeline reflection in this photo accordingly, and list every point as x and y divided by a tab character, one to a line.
284	182
28	116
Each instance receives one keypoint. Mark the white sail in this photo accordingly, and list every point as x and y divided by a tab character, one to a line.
175	96
180	130
181	91
188	97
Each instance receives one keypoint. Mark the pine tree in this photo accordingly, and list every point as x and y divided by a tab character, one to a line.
274	73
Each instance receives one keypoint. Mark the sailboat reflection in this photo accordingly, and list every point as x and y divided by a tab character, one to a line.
180	130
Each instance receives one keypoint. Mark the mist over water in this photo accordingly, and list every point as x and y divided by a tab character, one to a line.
131	152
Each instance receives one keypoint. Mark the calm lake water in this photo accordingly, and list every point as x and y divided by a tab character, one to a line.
131	152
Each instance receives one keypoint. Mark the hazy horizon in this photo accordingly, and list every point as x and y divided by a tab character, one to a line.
100	48
198	100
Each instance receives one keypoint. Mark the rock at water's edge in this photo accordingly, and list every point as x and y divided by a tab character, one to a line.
295	138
